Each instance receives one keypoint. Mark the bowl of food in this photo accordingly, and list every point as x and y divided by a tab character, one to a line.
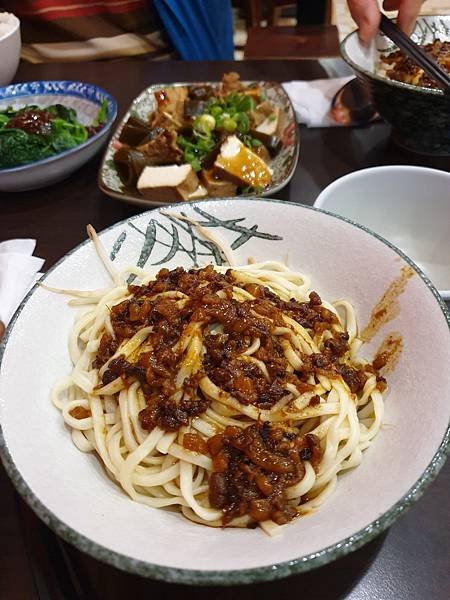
196	386
48	129
10	45
409	206
403	95
188	141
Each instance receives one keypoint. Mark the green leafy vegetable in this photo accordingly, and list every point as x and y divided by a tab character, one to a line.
249	141
33	133
9	112
246	104
18	147
252	189
66	135
222	114
243	122
231	106
102	113
195	149
62	112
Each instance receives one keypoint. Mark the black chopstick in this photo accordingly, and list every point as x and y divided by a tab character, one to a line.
415	52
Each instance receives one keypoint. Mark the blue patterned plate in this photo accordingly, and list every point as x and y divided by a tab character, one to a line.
85	99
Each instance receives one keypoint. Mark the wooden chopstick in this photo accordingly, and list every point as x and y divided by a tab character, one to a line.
415	52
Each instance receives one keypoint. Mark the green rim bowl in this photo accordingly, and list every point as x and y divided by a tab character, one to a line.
70	492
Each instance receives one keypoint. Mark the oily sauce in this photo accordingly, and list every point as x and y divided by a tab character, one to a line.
388	307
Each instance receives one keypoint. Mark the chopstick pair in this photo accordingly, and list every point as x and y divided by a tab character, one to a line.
415	52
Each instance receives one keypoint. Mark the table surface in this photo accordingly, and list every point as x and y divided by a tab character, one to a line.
410	561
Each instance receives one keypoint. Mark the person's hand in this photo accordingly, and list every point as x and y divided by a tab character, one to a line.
367	15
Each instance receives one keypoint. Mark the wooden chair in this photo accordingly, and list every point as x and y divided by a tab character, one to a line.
275	8
309	39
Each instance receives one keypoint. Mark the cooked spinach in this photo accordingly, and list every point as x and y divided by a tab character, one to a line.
17	148
23	141
102	114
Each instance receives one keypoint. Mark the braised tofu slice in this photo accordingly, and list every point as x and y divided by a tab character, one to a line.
241	166
199	193
215	186
271	123
168	183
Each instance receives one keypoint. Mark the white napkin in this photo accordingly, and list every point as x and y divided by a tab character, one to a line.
312	100
18	273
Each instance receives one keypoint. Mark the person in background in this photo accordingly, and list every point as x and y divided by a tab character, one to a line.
198	29
81	30
367	14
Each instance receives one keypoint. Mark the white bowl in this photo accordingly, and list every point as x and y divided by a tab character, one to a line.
10	45
409	206
85	99
70	491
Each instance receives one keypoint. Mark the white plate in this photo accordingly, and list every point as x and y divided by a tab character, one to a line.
70	491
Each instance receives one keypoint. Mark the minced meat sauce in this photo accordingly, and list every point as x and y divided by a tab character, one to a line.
32	121
402	68
253	466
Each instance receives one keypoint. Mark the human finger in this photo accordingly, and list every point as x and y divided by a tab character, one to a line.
367	16
408	11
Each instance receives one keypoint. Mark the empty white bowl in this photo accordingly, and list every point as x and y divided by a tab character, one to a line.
10	45
409	206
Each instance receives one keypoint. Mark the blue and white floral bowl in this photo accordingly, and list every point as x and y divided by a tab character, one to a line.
85	99
420	117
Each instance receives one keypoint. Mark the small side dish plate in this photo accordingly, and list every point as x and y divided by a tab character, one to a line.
283	165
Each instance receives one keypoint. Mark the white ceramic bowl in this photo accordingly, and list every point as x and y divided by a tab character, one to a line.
85	99
10	45
70	491
409	206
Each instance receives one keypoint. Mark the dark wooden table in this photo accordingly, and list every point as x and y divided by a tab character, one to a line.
410	561
292	43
